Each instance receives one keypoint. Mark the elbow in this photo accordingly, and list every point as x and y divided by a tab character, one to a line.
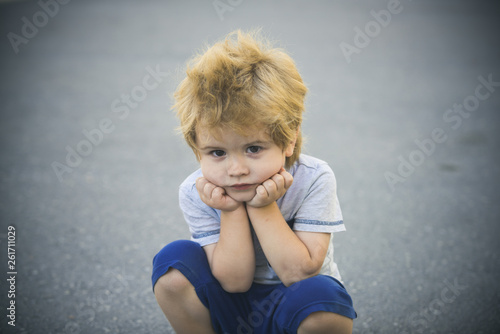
292	276
288	281
235	287
234	283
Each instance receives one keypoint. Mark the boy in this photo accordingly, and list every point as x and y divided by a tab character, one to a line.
261	215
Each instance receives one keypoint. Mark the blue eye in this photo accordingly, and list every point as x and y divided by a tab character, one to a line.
254	149
218	153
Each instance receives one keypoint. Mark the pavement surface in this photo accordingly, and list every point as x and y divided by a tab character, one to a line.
404	104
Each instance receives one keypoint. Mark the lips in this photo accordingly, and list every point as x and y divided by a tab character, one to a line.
241	186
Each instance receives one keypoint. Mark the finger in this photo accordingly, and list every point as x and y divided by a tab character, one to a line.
262	191
288	179
217	193
272	184
208	189
272	190
200	184
279	180
200	181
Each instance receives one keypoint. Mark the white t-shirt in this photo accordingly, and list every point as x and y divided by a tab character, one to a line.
310	204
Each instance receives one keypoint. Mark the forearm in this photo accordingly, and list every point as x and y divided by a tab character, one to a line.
287	254
233	259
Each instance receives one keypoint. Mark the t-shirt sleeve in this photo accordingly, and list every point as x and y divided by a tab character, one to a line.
203	221
320	210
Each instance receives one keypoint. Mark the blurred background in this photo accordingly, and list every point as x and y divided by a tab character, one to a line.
404	104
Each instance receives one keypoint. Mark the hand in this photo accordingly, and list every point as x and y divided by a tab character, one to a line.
272	189
214	196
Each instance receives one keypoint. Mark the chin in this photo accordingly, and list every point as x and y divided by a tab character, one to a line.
243	196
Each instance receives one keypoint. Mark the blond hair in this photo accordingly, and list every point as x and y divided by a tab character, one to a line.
242	83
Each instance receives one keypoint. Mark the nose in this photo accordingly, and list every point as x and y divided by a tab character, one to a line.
236	166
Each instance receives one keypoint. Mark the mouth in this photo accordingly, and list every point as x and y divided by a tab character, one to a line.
241	186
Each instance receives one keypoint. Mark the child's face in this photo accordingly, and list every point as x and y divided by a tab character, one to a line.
239	164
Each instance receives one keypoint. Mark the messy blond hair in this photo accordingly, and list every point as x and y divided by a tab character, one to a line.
242	83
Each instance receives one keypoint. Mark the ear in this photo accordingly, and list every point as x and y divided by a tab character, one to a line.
291	147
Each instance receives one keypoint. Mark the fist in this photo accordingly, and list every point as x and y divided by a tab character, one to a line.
272	189
214	196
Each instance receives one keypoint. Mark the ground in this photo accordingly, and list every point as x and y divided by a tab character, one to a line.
403	103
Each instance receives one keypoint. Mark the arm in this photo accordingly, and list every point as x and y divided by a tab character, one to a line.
294	256
232	258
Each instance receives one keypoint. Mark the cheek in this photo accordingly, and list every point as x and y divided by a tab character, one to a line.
271	168
210	172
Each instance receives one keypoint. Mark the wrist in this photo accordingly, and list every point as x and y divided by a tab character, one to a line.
231	206
238	209
262	208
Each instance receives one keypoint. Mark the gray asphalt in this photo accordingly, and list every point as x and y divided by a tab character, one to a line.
404	104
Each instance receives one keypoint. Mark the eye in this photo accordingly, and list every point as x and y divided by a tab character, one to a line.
218	153
254	149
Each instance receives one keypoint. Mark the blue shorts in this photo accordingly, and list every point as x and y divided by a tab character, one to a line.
263	308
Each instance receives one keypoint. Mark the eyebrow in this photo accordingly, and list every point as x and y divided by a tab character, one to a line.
258	142
209	148
253	143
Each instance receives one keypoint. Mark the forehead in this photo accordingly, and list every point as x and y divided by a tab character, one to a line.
225	137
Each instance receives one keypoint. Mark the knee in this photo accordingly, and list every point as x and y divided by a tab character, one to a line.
325	322
172	283
178	249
